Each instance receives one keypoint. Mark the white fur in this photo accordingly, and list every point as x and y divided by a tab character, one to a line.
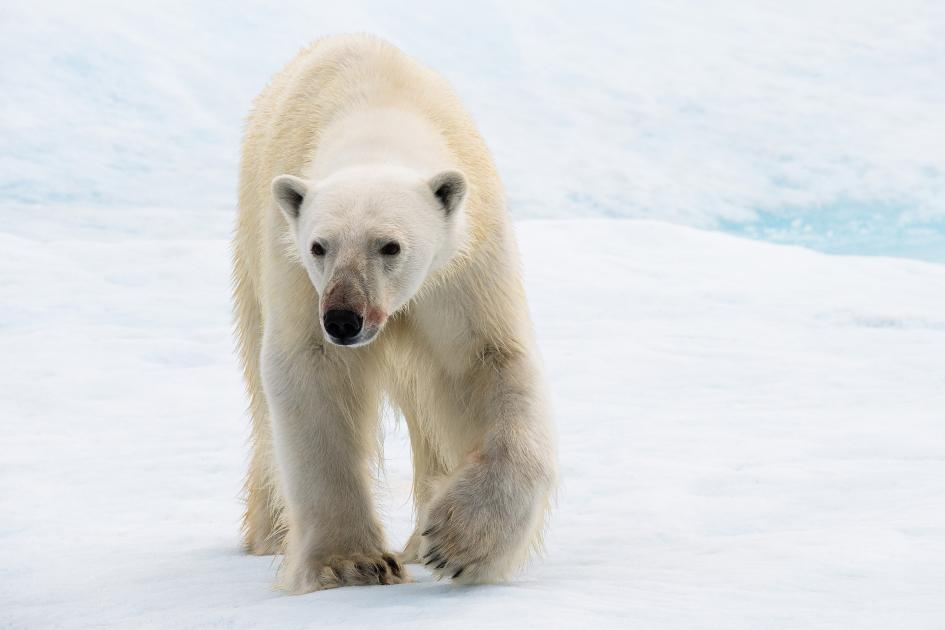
359	146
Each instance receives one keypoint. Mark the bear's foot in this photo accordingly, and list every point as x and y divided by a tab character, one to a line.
478	529
354	569
261	536
263	545
411	552
450	554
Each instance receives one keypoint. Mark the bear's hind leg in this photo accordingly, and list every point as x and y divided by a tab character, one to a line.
263	530
426	469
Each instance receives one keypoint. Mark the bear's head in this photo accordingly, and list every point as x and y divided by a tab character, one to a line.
368	238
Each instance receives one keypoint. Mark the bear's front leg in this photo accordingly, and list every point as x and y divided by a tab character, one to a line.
485	517
324	411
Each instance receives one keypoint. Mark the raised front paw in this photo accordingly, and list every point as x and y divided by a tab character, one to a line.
354	569
478	530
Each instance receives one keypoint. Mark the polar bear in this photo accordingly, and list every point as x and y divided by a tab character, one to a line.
374	261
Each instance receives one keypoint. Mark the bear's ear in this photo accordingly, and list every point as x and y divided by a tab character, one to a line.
289	192
450	188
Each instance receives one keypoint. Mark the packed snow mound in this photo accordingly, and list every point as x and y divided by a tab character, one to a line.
750	436
814	123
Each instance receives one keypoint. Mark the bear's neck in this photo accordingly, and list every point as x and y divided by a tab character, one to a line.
382	136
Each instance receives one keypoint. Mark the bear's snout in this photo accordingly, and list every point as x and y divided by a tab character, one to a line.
348	316
343	325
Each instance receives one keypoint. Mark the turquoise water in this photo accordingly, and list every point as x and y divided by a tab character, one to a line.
850	228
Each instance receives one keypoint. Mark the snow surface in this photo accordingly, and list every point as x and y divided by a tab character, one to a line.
750	436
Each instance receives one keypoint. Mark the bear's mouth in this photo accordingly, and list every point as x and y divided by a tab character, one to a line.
363	338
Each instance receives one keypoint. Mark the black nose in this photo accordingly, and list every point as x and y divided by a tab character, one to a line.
342	325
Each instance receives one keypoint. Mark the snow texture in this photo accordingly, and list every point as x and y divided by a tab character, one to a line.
751	434
810	122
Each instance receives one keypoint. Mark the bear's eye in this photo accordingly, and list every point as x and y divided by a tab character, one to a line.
391	249
317	249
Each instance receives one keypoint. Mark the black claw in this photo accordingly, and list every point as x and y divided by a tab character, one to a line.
441	565
427	531
431	561
457	574
431	552
394	567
